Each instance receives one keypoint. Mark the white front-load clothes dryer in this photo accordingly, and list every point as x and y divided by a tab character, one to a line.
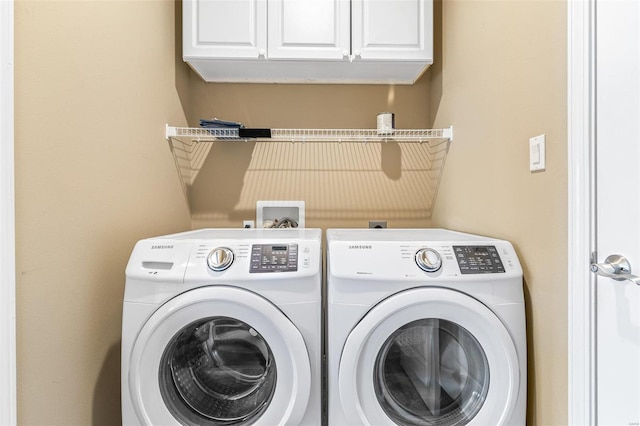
223	327
424	327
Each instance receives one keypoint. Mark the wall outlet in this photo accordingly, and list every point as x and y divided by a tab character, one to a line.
248	224
377	224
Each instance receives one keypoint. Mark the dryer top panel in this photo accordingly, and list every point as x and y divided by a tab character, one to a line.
388	234
419	254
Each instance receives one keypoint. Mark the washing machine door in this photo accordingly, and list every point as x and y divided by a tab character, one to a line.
429	356
219	356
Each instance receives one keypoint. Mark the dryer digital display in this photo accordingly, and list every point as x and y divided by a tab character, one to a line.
274	258
478	259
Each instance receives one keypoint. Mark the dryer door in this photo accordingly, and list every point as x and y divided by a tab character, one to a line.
219	356
429	356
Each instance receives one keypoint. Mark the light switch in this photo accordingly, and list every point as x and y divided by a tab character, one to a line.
537	155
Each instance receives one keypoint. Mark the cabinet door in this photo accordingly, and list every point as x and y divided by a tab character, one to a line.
392	30
309	29
224	28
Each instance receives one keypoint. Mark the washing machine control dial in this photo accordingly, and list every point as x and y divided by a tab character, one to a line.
428	259
220	258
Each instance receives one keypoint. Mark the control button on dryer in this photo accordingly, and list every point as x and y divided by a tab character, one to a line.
428	260
220	258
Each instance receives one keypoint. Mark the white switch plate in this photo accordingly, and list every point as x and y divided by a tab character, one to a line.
537	153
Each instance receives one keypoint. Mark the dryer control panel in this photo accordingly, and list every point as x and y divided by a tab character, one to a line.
429	254
478	259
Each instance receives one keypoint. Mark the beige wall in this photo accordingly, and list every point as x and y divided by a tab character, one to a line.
342	185
97	80
95	83
501	79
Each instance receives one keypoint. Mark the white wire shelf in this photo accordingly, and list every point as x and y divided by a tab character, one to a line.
198	134
285	152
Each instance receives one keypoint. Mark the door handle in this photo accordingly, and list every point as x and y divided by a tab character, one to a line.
615	267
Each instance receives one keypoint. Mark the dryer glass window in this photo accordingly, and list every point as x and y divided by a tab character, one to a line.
431	372
217	371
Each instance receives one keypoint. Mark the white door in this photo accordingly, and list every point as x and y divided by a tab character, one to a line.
309	29
617	226
224	29
392	30
219	355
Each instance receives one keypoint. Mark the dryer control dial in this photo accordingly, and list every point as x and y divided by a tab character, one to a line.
220	258
428	259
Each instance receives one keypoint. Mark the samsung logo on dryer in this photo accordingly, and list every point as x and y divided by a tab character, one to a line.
162	247
359	247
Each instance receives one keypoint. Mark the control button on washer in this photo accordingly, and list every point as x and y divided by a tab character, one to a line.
220	258
428	260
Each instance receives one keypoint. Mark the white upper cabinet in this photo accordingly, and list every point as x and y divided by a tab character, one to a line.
392	30
308	41
309	29
224	29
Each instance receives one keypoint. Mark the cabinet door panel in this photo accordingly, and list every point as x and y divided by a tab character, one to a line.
224	28
392	30
309	29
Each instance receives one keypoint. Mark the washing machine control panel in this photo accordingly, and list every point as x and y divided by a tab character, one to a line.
428	259
478	259
220	258
274	258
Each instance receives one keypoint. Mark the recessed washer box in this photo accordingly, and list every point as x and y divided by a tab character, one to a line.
278	210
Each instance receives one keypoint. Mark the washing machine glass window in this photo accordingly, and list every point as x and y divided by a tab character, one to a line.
431	371
217	371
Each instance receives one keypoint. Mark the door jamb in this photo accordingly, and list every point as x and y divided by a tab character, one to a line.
581	211
8	405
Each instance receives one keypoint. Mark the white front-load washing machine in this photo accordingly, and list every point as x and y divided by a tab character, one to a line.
223	327
424	327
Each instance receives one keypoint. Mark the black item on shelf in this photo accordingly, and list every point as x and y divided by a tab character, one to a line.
254	133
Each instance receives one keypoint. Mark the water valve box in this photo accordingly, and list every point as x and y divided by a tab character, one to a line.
269	211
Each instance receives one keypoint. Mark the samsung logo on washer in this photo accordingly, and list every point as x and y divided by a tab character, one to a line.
359	247
165	247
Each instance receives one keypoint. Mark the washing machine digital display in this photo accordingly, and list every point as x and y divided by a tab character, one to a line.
478	259
274	258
